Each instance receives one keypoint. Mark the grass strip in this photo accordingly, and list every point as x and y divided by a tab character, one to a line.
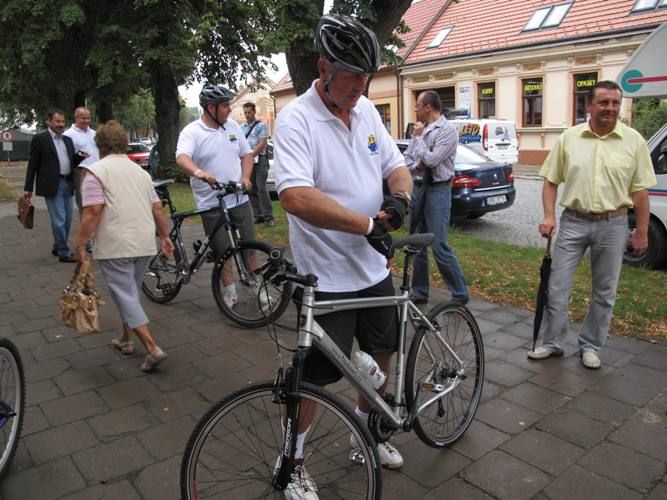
509	275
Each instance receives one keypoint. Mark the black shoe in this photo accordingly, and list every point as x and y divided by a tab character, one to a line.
461	302
417	300
67	258
270	222
54	252
259	220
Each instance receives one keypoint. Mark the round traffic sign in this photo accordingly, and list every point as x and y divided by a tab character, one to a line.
7	136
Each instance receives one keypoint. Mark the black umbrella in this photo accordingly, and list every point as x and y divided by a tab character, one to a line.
542	292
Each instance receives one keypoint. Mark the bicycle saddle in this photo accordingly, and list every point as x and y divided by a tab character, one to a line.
417	240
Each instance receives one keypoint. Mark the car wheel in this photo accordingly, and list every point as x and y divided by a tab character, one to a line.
657	245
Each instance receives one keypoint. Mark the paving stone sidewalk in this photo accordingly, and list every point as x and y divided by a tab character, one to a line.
97	427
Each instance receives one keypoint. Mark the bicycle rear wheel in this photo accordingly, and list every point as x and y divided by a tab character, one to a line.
251	302
161	279
433	367
234	449
12	402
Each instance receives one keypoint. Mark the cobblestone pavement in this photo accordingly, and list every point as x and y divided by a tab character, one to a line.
516	225
97	427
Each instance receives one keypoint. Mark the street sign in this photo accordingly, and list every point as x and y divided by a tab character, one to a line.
7	136
7	146
645	74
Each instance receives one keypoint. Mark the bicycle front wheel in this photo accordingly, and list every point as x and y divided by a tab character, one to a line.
240	290
234	449
445	374
161	279
12	402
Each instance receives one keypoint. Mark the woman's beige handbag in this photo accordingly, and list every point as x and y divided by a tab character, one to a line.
80	302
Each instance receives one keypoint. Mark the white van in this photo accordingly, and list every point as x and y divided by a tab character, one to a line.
641	77
656	256
493	138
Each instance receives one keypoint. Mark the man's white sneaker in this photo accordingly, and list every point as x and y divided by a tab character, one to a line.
590	360
230	299
389	456
302	486
544	352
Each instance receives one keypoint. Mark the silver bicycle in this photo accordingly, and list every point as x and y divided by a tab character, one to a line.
244	447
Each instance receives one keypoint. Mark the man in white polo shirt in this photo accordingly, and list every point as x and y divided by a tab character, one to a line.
214	149
83	138
331	155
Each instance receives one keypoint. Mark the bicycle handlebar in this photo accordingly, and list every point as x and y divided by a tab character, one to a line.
282	270
230	187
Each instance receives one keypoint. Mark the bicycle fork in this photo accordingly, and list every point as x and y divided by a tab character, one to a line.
286	392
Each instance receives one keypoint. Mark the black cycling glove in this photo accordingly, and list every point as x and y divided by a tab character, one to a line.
380	239
395	207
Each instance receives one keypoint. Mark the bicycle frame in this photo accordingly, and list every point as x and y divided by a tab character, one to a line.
311	333
187	268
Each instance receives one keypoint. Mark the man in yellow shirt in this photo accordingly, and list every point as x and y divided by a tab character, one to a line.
606	169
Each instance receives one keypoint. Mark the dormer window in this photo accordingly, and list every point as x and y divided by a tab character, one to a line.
440	37
644	5
548	17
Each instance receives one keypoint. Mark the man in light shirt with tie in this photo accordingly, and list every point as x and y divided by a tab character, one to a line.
83	138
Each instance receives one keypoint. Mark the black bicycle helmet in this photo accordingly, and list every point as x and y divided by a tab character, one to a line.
214	94
348	44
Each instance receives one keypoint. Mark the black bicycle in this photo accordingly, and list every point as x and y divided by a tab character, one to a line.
237	278
12	402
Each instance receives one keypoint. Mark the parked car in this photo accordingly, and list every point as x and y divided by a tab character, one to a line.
139	154
270	178
495	139
480	185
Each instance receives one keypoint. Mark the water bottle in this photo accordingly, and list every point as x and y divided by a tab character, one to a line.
367	365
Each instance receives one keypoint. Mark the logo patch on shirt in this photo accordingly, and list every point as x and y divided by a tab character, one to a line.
232	138
372	145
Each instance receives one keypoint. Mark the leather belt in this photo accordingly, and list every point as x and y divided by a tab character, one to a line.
596	216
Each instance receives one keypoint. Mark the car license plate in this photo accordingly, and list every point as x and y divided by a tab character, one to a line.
502	146
495	200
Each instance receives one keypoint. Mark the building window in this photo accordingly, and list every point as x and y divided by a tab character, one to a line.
547	17
643	5
385	115
486	93
582	85
532	102
440	37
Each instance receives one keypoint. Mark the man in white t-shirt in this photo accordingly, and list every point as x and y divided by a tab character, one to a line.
214	149
331	155
83	138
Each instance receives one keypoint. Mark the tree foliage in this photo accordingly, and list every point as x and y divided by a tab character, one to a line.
648	115
137	113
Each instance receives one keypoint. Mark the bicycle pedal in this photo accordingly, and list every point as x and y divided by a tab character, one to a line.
356	456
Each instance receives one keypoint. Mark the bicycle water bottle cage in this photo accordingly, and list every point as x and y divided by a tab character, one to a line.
196	245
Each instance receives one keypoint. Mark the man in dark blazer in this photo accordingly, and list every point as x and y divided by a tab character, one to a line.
52	161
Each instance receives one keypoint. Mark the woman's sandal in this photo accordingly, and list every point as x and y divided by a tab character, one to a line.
126	347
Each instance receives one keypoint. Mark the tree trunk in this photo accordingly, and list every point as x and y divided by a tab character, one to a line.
167	108
301	63
104	111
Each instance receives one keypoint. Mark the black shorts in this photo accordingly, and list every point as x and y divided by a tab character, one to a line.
376	330
240	215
